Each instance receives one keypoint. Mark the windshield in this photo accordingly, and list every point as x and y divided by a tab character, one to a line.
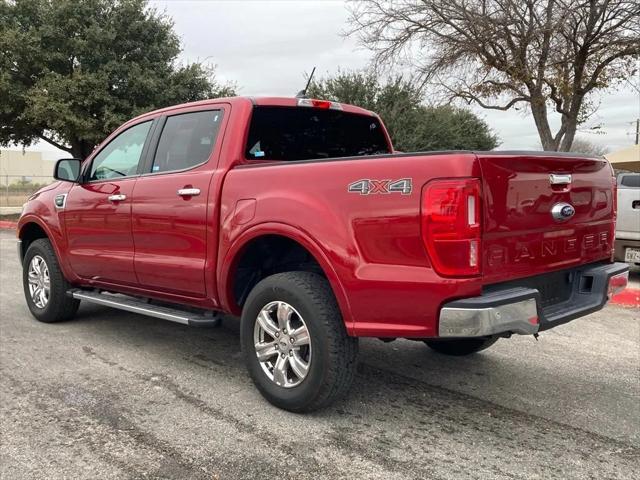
301	133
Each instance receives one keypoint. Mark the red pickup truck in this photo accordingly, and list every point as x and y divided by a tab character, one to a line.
297	215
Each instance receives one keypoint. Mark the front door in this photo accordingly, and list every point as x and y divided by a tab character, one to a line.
97	212
172	214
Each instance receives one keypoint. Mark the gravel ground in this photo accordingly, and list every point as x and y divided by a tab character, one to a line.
117	395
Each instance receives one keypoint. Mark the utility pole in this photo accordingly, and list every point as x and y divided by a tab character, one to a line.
637	130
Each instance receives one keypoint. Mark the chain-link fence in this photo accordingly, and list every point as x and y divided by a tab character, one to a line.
15	189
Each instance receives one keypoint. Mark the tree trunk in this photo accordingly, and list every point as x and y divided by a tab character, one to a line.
567	139
570	122
539	112
80	149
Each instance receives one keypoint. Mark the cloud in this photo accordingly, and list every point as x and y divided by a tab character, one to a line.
266	47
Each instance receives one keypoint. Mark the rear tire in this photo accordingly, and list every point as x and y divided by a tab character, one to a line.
461	347
307	360
45	287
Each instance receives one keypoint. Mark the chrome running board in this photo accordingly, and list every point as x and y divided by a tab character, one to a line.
143	307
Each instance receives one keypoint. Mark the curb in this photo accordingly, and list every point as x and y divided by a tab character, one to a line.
8	225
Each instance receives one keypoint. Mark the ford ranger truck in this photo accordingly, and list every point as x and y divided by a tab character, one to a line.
298	216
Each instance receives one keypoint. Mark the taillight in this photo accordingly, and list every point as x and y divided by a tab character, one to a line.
452	226
617	283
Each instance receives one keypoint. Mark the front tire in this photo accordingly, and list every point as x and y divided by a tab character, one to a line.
295	343
45	287
462	346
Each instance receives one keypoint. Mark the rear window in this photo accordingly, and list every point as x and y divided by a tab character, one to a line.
632	181
301	133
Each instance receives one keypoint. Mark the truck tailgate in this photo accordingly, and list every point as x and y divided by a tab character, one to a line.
522	237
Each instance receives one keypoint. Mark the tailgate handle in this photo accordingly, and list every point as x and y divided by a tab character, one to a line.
555	179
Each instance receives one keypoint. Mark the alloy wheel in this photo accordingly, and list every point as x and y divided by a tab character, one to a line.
282	344
39	281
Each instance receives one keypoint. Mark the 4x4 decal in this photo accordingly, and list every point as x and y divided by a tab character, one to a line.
367	186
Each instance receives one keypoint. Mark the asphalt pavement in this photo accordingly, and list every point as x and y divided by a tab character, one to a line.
117	395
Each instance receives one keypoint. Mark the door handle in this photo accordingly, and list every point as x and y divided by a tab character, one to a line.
117	198
189	192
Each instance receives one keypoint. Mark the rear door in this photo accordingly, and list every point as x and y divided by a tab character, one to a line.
544	213
97	212
173	224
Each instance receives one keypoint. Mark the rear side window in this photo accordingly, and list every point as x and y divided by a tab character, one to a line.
301	133
632	181
187	140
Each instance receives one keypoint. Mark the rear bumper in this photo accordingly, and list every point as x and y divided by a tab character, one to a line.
519	310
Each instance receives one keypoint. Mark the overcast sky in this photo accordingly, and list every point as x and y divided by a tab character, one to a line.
266	47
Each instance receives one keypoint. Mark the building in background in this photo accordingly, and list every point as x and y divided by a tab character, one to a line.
21	174
627	159
24	167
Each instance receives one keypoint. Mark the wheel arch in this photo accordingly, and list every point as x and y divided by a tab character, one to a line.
264	232
30	231
31	228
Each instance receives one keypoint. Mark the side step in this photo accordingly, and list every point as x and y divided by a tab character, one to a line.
141	306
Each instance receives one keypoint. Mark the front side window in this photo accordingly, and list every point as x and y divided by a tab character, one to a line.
187	140
301	133
121	156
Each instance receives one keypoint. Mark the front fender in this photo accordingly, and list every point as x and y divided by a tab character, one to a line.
40	210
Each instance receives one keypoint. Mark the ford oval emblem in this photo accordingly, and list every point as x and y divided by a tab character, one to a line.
562	212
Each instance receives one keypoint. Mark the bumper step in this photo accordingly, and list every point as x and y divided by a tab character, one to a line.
143	307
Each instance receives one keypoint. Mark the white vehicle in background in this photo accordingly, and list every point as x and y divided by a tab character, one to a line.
628	224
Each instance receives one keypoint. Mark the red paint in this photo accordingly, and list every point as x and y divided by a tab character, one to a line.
520	238
627	298
371	248
98	231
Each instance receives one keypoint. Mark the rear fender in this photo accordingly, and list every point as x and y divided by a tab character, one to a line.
233	254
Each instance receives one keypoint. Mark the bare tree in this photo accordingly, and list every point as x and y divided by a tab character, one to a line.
582	145
502	54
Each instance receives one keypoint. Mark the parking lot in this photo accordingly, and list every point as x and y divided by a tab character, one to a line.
117	395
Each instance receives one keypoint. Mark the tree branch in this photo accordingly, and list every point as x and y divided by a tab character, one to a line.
469	97
54	143
599	69
553	95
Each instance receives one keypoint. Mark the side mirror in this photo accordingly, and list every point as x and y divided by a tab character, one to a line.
67	170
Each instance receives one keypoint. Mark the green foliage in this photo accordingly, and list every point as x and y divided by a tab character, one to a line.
412	125
71	71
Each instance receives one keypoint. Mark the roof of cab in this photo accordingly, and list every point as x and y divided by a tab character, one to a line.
262	101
